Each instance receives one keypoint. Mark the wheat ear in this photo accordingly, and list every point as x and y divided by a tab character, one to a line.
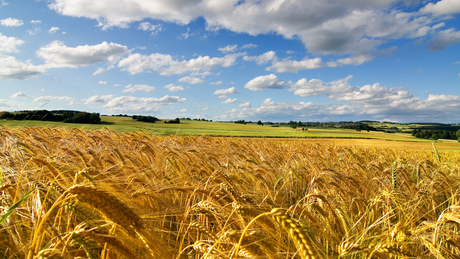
300	238
107	204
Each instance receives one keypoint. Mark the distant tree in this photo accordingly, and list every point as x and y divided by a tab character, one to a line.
176	120
260	123
6	115
458	135
150	119
84	117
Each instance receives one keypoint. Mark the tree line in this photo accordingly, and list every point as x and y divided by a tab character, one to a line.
436	134
62	116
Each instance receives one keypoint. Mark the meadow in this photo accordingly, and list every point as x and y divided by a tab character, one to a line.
73	193
122	124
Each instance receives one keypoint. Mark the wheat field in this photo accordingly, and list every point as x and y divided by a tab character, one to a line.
69	193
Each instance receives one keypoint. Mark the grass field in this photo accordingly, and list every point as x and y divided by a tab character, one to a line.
200	128
72	193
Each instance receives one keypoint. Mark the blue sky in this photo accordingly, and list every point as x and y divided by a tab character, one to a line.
269	60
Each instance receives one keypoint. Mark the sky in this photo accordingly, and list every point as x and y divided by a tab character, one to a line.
226	60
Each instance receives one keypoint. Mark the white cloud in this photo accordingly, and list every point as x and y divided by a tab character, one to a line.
442	7
154	28
6	105
397	108
265	82
4	3
166	65
249	46
222	97
191	80
185	35
262	59
18	95
97	100
49	98
244	104
230	100
11	68
98	71
36	21
144	104
293	66
336	27
11	22
216	83
34	31
228	48
183	111
133	88
102	82
58	55
353	60
373	98
231	90
53	30
444	39
9	44
174	88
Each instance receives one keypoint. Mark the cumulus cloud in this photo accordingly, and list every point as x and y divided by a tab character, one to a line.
324	27
132	104
154	28
262	59
174	88
53	30
249	46
98	71
34	31
11	68
265	82
228	48
166	65
442	7
6	105
11	22
231	90
353	60
144	104
57	54
293	66
216	83
102	82
133	88
97	100
9	44
18	95
444	39
398	108
244	104
191	80
35	21
49	98
230	100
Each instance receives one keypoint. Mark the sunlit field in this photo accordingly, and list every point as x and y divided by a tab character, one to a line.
224	129
73	193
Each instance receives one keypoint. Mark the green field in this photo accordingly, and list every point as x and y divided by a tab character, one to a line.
224	129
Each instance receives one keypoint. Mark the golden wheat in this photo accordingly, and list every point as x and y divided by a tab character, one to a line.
148	196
